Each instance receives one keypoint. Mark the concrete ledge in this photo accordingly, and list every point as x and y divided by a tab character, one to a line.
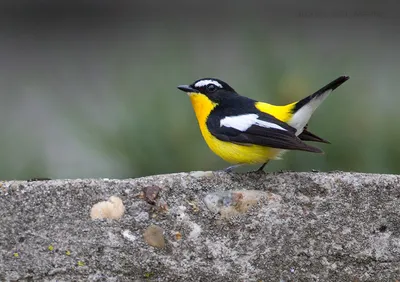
289	227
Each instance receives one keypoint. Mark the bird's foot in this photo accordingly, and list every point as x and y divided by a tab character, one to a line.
257	174
230	169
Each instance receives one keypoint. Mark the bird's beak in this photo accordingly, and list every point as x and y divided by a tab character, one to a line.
187	89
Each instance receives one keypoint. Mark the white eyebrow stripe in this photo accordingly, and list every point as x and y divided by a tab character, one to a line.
207	81
244	122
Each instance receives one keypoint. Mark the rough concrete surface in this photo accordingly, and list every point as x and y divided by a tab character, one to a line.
305	227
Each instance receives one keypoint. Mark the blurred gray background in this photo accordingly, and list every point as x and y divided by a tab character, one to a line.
88	88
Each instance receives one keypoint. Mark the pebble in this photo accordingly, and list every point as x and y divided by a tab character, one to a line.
154	236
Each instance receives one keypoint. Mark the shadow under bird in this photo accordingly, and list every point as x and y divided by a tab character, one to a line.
244	131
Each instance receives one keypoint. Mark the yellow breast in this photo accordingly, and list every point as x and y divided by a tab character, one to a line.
230	152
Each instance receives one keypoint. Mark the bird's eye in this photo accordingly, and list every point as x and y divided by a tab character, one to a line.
211	87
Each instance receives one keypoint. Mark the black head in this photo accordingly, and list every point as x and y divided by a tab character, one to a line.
213	88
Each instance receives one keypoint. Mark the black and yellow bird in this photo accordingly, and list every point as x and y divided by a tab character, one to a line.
244	131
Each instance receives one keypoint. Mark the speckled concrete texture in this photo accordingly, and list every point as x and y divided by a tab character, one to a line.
270	227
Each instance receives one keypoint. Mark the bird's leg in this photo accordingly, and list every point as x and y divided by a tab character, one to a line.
262	167
232	167
231	173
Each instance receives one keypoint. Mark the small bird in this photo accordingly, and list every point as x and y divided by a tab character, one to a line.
244	131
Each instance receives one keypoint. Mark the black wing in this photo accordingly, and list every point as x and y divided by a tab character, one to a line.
284	138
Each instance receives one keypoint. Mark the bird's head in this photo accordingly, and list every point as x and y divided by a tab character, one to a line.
212	88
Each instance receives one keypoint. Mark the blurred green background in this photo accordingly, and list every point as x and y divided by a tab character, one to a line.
91	91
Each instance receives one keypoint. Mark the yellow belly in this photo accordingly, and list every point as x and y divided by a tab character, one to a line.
240	154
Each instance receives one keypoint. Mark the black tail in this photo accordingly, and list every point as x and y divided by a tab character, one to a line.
329	87
308	136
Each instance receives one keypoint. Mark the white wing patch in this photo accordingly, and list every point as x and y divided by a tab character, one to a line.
244	122
206	82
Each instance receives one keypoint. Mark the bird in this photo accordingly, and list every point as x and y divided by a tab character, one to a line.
243	131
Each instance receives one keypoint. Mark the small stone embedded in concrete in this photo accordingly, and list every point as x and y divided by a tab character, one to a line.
150	193
194	206
230	203
128	235
200	174
196	230
178	235
111	209
154	236
163	207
